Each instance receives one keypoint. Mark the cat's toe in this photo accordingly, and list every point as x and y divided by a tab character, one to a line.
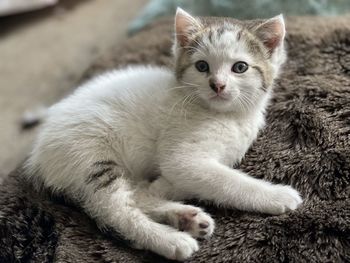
185	248
196	222
282	198
173	245
178	246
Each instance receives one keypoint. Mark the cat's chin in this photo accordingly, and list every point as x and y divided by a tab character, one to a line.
221	104
219	98
227	106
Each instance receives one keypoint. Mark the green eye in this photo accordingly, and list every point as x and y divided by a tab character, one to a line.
202	66
239	67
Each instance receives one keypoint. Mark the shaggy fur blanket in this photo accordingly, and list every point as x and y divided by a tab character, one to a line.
305	144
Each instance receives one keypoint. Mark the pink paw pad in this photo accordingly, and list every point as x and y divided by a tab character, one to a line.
196	222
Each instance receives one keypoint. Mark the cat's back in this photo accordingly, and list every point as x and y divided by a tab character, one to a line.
130	83
115	105
128	95
125	87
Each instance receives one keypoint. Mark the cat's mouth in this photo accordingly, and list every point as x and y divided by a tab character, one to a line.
219	97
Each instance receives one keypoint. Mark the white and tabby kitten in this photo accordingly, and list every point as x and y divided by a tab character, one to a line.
129	143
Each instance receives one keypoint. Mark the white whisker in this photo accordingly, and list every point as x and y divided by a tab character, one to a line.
190	84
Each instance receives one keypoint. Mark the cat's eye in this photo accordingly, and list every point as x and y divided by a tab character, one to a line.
202	66
239	67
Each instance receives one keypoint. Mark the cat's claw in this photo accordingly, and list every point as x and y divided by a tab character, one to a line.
281	199
196	222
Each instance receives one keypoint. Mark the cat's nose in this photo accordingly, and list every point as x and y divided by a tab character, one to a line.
218	87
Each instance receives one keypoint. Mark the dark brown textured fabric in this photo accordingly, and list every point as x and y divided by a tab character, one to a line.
305	144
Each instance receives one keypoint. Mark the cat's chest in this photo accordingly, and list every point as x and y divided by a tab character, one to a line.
237	140
230	139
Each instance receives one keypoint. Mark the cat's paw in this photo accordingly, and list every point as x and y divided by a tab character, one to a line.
195	221
177	246
280	199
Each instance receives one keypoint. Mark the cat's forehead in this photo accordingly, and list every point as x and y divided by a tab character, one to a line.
223	37
223	40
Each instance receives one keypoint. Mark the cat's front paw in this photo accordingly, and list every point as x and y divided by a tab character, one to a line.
279	199
196	222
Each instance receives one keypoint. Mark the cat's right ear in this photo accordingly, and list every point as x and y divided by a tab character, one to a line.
185	24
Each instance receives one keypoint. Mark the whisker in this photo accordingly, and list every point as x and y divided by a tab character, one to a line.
186	98
245	101
178	87
190	84
248	99
183	100
192	98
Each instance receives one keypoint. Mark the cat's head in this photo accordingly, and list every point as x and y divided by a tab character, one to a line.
228	64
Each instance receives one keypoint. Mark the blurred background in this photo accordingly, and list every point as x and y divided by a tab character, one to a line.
44	52
46	46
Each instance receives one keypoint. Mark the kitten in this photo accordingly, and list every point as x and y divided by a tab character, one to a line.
129	143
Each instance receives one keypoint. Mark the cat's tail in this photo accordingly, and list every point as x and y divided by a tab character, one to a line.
32	118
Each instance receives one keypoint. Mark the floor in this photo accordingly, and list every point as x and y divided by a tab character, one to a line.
42	55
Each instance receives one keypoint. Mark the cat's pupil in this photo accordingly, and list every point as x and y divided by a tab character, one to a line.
202	66
239	67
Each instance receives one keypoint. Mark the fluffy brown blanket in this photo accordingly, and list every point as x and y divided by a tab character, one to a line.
305	144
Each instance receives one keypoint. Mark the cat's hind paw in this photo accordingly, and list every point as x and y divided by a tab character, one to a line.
196	222
177	246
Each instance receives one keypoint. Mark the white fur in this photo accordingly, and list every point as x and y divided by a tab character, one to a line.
139	118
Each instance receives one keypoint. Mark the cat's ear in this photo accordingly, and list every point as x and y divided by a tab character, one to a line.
185	24
272	32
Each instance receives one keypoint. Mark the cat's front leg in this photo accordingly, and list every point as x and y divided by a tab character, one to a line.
208	179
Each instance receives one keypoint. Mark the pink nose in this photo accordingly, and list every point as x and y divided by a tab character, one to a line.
218	87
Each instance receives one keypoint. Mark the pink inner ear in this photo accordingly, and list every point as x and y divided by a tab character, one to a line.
271	33
184	22
181	28
272	42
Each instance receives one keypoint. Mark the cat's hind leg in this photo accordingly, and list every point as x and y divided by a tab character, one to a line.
185	218
114	206
91	174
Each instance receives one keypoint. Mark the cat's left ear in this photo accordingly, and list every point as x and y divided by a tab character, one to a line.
272	32
185	24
